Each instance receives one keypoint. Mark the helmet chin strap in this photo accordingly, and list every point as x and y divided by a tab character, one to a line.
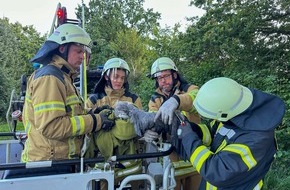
107	78
109	83
174	80
64	51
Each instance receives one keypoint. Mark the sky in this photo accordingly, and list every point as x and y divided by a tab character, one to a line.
40	13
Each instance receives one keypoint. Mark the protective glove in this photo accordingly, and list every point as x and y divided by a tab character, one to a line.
108	119
166	111
159	126
186	129
189	128
99	109
150	136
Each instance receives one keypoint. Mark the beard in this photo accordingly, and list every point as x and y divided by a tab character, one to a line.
166	89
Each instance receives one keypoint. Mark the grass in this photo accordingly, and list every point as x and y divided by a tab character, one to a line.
4	128
275	180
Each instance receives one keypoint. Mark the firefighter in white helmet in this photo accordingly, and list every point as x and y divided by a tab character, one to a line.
242	126
54	115
169	83
122	139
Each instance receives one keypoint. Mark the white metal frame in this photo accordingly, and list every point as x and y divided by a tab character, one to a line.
8	148
75	181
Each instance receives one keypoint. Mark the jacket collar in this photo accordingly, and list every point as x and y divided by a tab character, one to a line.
64	66
265	113
114	93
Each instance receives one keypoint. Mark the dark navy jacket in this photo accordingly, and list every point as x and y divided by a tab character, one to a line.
242	149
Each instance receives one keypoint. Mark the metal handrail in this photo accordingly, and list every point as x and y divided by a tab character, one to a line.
43	164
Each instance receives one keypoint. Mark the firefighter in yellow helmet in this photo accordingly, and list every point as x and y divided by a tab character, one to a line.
122	139
169	82
242	126
54	116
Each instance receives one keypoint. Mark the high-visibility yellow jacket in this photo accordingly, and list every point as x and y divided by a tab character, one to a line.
54	116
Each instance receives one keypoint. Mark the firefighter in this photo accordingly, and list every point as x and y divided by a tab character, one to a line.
54	117
168	83
122	139
243	124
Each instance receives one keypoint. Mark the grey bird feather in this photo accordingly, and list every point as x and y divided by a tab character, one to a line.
140	119
143	121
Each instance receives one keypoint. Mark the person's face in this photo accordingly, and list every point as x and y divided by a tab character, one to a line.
165	81
76	56
118	77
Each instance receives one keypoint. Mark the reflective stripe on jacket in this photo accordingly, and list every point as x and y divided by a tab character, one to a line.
234	161
53	115
242	149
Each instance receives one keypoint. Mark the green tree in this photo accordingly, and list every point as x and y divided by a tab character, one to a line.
29	41
236	38
18	44
132	48
8	58
105	19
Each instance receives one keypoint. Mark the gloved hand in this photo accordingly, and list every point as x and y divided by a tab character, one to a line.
184	130
189	128
150	135
108	119
99	109
159	126
166	111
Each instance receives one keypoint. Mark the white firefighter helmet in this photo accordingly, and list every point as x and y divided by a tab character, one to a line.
68	33
111	66
116	63
222	99
162	64
65	33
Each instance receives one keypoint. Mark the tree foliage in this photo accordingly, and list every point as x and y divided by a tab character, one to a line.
132	47
17	46
237	36
106	19
8	58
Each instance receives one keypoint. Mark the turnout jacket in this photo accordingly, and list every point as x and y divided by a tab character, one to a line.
158	98
54	116
108	96
187	91
182	168
242	149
